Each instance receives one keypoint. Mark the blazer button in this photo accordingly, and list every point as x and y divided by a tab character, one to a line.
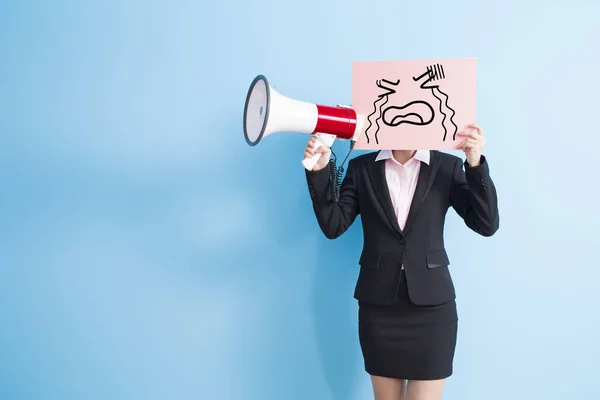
403	241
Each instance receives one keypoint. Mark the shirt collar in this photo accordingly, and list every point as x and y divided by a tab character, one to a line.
420	155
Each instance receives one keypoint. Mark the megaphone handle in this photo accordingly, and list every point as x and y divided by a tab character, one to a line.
323	139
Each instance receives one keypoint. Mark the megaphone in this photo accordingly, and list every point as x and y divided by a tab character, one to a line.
267	112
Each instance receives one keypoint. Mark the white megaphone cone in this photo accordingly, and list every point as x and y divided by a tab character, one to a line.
267	112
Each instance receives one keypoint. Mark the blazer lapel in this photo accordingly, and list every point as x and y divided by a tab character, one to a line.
376	171
425	181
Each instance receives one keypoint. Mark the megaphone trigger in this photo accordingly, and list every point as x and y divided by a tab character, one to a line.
323	139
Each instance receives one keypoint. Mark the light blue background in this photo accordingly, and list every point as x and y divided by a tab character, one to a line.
146	252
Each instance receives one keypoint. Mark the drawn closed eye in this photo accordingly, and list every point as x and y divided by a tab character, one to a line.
388	88
433	73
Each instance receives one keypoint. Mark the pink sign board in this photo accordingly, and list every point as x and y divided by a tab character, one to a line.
415	104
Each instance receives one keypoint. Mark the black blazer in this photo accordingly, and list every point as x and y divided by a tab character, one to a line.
420	246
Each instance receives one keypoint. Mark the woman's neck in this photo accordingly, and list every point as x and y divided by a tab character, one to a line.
402	156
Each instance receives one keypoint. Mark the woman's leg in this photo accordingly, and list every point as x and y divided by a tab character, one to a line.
388	388
425	390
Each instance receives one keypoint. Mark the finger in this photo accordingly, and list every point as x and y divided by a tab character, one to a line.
477	128
469	134
471	144
468	141
480	142
470	147
319	150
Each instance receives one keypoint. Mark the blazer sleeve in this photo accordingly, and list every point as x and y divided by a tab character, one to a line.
334	218
473	196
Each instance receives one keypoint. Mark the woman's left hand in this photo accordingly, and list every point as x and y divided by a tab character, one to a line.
473	144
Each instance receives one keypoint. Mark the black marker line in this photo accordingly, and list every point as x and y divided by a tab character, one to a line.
394	124
388	89
421	77
451	116
380	117
369	117
392	83
410	113
426	73
443	113
433	88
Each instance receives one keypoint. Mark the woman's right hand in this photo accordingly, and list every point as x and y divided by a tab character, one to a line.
324	151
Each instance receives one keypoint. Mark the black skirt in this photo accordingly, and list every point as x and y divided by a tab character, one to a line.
407	341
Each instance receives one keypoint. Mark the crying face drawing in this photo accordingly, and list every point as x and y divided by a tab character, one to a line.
393	109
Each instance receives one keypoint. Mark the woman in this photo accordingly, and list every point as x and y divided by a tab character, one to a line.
407	309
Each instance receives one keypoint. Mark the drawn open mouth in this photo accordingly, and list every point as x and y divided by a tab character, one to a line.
414	113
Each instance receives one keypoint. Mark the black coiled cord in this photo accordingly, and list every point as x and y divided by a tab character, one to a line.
336	178
337	173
